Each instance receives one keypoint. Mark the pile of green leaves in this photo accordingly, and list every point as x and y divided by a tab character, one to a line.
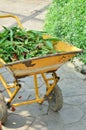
67	20
19	44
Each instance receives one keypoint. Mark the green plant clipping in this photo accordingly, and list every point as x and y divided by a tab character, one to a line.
67	20
18	44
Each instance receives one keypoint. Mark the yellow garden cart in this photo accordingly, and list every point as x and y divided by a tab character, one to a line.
35	66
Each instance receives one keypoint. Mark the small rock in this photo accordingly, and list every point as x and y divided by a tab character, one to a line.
79	65
83	71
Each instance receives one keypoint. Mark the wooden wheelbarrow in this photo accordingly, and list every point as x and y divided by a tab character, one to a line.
35	66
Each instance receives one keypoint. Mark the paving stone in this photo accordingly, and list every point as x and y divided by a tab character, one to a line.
28	82
18	122
78	126
83	107
22	111
71	114
2	70
24	96
37	109
42	15
46	126
6	95
75	100
34	109
1	87
53	120
7	75
71	87
33	25
52	116
68	71
42	90
81	125
22	7
39	125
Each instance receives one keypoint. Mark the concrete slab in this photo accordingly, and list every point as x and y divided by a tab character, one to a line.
26	11
33	25
22	7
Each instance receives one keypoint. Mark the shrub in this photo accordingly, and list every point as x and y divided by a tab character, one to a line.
67	20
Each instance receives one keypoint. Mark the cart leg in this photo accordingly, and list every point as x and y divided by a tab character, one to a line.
36	86
5	85
49	86
17	88
53	93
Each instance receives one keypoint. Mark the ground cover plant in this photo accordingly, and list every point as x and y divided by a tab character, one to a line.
67	20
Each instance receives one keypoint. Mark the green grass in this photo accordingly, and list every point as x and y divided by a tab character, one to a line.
67	20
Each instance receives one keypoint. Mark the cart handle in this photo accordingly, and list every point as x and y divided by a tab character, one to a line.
13	16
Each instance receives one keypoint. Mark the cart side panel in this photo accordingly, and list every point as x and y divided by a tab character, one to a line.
39	65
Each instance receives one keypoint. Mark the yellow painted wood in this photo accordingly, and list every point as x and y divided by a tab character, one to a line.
36	85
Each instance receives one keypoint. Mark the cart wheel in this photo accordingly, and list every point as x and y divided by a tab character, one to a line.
3	109
56	101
